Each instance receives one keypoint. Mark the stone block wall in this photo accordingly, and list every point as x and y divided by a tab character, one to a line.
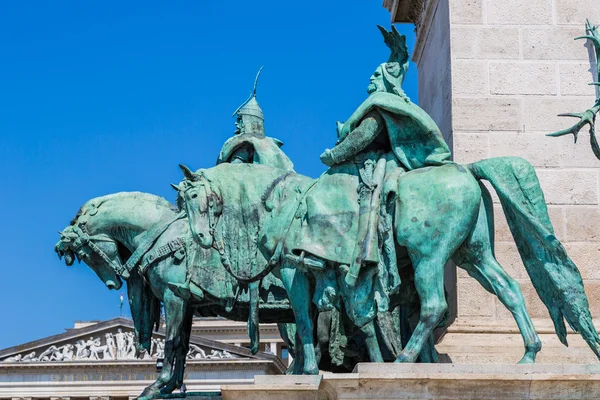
515	66
494	74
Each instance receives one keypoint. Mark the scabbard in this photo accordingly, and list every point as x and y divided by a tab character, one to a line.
367	246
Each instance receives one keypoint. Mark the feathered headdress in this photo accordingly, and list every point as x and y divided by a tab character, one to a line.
397	44
394	71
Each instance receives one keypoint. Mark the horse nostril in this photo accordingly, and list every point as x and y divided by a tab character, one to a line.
201	235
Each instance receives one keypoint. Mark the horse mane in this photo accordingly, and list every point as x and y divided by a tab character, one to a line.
98	201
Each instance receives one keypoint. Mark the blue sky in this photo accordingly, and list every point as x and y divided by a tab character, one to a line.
101	97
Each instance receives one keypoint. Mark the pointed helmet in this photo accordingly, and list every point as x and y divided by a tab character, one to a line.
250	118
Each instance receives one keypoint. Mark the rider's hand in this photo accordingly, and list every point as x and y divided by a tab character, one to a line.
327	158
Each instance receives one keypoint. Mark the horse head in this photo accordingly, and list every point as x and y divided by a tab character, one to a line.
99	251
203	205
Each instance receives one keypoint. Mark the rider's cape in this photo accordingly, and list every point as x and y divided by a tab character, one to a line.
266	151
329	227
415	138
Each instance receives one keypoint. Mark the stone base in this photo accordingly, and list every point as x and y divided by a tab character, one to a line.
431	381
483	342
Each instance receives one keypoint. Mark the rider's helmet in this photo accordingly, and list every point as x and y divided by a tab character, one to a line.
250	118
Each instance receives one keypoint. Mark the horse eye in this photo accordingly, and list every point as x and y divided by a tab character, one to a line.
194	195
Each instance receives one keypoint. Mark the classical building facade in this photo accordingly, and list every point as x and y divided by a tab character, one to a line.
494	74
96	360
236	333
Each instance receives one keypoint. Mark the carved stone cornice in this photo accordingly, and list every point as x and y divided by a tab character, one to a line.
406	11
418	12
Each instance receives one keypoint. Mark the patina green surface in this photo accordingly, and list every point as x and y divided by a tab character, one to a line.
350	265
588	117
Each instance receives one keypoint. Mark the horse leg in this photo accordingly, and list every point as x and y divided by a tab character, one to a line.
429	283
476	256
174	315
372	343
297	286
298	361
496	281
182	346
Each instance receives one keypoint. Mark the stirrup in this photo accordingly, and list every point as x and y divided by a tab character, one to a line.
303	261
186	290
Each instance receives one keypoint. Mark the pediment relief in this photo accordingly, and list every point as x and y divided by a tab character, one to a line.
111	340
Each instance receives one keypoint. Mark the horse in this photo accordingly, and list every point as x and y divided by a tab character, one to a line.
439	214
107	231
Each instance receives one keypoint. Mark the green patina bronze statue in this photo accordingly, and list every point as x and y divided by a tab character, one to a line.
249	143
350	265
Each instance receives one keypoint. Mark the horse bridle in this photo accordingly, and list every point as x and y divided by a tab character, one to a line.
211	196
124	270
83	238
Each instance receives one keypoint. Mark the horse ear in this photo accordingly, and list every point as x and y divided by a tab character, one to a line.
174	186
188	173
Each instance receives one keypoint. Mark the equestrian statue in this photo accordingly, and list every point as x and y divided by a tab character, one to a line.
351	264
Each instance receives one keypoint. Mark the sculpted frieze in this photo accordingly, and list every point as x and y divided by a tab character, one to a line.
117	345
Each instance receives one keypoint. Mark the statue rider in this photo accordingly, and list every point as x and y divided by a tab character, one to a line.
249	143
387	131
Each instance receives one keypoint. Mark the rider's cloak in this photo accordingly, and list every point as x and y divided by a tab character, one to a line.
266	150
329	226
414	137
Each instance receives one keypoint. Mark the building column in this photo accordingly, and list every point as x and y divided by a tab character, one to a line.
273	347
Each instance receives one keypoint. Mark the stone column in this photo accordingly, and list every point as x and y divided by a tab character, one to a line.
273	347
494	74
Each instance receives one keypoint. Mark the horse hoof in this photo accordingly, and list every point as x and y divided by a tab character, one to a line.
527	359
149	394
403	358
311	371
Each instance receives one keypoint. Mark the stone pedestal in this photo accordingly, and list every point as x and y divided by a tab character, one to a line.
432	381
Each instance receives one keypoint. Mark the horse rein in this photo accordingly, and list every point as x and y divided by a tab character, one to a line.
124	270
84	238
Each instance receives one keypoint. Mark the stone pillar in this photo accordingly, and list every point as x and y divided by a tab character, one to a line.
273	347
494	74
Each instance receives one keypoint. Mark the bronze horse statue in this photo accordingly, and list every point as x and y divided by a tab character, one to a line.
438	214
145	240
110	230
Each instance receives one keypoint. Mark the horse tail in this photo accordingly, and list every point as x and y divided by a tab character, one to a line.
555	277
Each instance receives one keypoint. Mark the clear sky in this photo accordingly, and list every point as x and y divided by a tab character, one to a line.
101	97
